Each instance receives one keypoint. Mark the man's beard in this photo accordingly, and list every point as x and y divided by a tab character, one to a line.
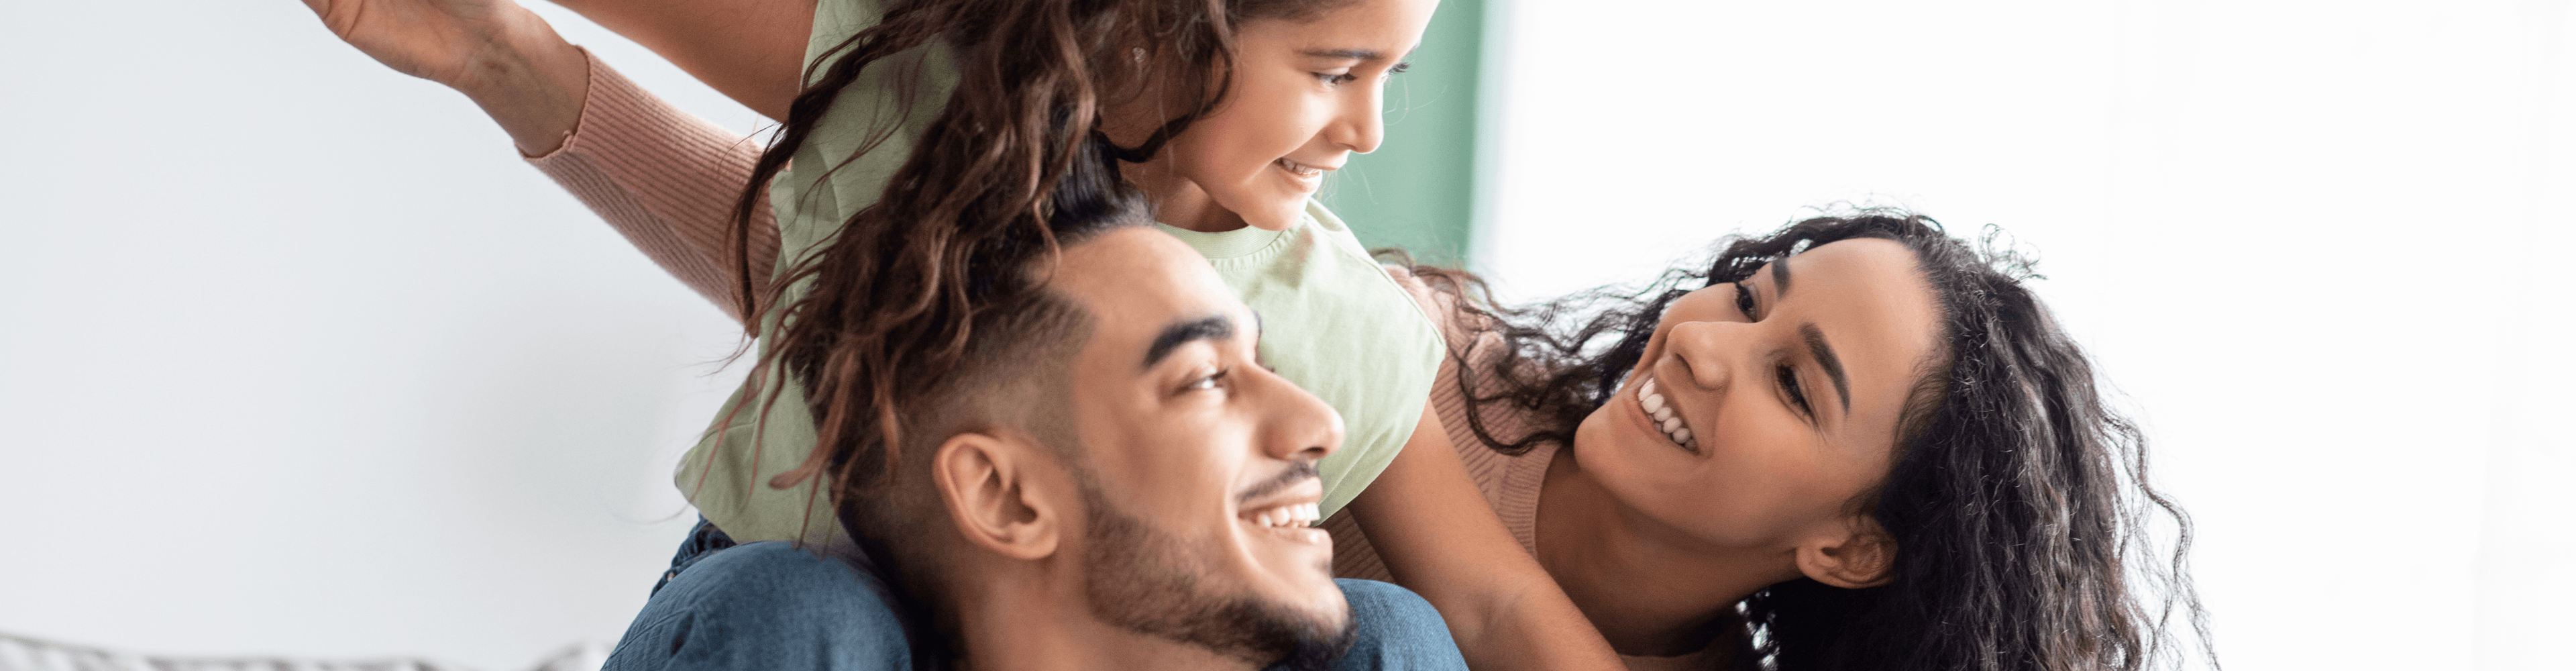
1136	582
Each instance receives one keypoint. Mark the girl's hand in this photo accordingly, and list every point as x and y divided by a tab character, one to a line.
494	51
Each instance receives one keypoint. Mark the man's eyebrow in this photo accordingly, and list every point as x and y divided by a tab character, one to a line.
1780	277
1825	358
1211	327
1346	54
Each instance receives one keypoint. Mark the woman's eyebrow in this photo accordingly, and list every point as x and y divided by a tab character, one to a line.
1825	358
1780	277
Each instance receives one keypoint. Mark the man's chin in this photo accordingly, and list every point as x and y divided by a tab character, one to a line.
1319	651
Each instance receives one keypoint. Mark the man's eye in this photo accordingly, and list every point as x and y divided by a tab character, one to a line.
1744	300
1209	381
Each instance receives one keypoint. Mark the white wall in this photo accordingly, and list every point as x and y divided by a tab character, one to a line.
304	360
2319	245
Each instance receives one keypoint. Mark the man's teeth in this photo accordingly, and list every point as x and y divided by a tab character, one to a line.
1655	406
1291	515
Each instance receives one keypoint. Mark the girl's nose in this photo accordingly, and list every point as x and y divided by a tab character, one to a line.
1362	121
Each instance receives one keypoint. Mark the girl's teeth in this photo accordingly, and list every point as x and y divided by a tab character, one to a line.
1682	436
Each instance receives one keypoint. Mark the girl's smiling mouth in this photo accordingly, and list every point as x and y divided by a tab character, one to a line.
1308	175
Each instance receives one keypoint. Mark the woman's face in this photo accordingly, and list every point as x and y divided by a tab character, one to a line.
1306	95
1761	408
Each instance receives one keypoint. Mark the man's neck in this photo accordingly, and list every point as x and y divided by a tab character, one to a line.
1036	623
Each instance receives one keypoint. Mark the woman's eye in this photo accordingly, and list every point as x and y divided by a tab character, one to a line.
1744	300
1798	397
1337	77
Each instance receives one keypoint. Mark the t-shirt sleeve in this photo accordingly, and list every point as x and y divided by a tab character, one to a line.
667	181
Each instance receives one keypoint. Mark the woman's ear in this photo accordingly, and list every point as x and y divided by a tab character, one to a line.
1861	555
997	490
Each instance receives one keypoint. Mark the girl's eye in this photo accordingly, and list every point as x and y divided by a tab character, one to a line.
1399	68
1337	78
1797	396
1744	300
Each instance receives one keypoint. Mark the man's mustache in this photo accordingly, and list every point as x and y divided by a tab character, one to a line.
1298	471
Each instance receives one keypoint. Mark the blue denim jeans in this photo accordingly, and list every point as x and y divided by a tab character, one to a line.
771	605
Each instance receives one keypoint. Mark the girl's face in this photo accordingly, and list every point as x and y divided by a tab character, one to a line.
1306	95
1761	408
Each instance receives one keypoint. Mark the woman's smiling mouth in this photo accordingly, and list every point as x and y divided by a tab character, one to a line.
1667	419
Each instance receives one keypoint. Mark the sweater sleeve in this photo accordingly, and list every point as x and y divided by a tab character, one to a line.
667	181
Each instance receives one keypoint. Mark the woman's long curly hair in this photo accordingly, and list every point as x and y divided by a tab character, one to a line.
2018	500
882	313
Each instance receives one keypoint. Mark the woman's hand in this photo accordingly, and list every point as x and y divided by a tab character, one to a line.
494	51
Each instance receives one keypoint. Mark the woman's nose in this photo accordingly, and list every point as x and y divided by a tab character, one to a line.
1704	352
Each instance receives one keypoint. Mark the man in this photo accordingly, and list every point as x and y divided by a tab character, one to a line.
1110	480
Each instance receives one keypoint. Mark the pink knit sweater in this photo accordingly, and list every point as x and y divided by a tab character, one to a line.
667	180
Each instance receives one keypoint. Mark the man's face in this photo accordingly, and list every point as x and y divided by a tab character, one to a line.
1197	461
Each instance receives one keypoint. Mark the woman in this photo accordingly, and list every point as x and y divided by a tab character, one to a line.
1858	443
1790	555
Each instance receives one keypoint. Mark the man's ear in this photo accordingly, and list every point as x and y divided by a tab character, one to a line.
1000	491
1860	555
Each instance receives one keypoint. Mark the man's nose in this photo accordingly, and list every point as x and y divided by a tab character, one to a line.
1294	424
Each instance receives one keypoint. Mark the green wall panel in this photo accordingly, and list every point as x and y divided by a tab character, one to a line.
1417	190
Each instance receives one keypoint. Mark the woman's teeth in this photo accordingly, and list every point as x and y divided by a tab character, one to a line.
1292	515
1662	411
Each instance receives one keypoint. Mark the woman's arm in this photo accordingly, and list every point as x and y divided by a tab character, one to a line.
751	50
667	181
664	179
1440	539
494	51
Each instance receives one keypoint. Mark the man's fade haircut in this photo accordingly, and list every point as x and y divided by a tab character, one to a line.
888	379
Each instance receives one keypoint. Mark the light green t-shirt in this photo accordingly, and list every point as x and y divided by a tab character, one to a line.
1333	322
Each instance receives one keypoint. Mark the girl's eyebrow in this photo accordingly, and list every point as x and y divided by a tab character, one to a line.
1346	54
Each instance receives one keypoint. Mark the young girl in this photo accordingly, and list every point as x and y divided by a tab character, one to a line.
1723	485
1231	118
